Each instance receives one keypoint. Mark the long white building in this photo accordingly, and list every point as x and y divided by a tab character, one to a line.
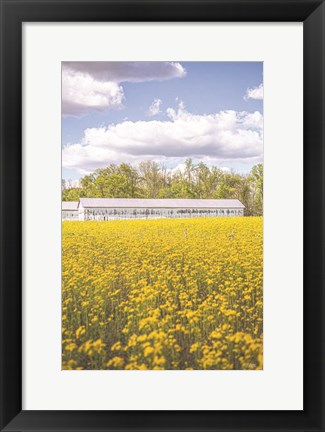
134	208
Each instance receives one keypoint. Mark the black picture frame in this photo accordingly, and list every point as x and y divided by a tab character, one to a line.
13	14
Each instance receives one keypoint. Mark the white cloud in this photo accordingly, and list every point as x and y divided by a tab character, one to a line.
127	71
254	92
81	92
154	108
178	169
214	138
225	169
96	85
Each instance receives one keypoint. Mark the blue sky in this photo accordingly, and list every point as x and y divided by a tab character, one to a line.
164	111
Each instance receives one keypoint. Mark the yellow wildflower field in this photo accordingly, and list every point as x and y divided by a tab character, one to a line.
163	294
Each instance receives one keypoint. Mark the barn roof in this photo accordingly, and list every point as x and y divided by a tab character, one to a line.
160	203
70	205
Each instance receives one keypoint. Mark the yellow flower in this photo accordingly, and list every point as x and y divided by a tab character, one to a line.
136	290
116	362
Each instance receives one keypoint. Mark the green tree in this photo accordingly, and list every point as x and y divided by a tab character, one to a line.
151	180
257	179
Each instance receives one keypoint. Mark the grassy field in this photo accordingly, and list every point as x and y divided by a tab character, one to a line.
163	294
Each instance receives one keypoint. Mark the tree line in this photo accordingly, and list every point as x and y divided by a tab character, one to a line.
151	180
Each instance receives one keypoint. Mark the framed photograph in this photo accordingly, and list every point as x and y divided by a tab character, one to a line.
162	191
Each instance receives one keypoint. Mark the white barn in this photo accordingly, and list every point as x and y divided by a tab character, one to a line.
134	208
70	210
